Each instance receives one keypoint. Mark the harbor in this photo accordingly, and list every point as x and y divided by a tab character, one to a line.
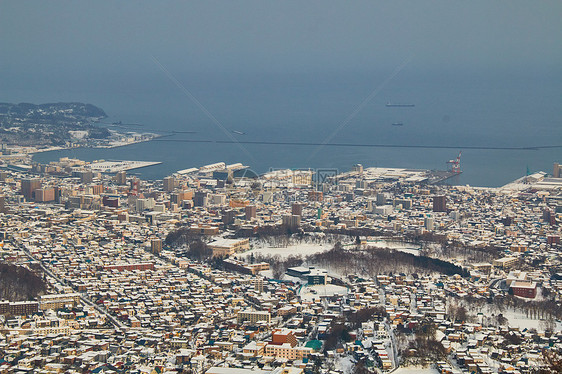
115	166
403	175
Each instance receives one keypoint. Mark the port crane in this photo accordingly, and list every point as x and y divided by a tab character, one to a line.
455	165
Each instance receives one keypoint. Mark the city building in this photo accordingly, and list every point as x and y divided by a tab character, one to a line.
29	186
156	246
200	199
505	262
522	288
59	301
439	203
254	317
19	308
121	178
250	212
292	221
169	183
296	209
227	247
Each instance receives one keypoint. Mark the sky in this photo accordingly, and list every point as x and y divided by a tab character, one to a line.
76	38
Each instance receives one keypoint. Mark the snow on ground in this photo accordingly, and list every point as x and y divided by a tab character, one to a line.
345	364
307	249
415	370
78	134
267	274
518	319
398	246
300	249
309	293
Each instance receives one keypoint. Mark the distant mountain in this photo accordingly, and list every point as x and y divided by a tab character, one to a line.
28	124
51	111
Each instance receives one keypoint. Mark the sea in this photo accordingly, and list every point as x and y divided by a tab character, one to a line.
504	123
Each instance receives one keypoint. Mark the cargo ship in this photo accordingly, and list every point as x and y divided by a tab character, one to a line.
400	105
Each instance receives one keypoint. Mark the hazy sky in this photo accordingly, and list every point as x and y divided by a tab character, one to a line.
95	37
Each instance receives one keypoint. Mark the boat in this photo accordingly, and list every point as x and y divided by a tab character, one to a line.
238	132
119	123
400	105
398	124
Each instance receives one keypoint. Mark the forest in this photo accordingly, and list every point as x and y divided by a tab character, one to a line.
18	283
367	262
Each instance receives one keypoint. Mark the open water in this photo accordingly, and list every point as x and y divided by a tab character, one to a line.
455	110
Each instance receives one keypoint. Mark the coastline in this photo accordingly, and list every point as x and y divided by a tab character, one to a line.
182	155
114	144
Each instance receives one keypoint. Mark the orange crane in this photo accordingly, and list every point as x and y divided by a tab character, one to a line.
455	165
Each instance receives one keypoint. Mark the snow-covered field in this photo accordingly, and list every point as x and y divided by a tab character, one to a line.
305	249
402	247
301	249
416	370
78	134
518	318
309	293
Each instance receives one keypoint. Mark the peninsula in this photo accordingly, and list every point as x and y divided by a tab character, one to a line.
27	128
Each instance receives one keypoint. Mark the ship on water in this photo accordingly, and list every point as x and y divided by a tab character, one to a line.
397	124
389	104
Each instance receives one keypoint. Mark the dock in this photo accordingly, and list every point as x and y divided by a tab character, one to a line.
438	176
119	165
415	176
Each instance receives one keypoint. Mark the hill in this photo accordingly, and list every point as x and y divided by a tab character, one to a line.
18	283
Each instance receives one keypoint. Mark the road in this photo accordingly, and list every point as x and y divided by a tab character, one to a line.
63	282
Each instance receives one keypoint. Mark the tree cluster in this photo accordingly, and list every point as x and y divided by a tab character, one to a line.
365	315
278	265
536	309
199	251
269	231
552	360
98	133
180	237
18	283
445	249
189	244
457	250
383	261
458	313
339	332
424	348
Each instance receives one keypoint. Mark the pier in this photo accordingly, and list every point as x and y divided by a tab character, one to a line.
116	166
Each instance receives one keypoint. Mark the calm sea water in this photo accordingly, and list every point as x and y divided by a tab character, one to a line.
454	109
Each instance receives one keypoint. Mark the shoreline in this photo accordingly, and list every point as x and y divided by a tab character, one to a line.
115	166
109	146
32	152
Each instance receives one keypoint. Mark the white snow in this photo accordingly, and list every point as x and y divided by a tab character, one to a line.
518	319
398	246
78	134
416	370
345	364
305	249
301	249
309	293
